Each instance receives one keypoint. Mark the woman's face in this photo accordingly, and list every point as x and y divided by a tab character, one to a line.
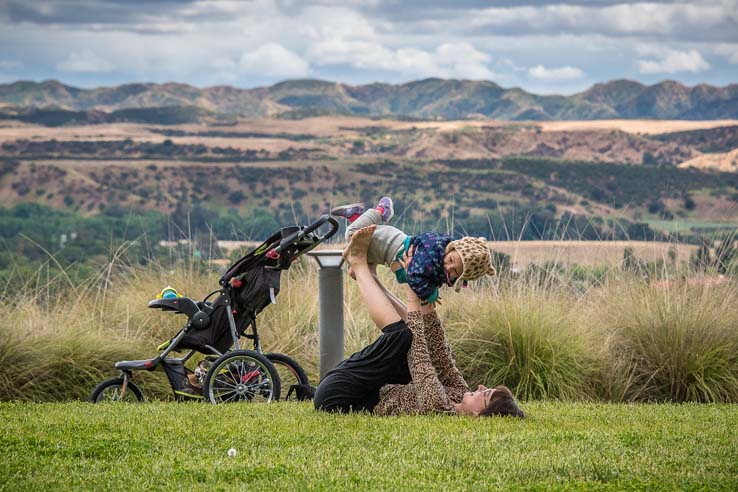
474	402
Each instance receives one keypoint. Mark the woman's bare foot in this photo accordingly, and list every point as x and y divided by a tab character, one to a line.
355	252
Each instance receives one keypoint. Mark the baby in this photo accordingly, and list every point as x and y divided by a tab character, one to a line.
438	259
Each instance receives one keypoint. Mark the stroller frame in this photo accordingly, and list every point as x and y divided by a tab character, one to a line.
247	287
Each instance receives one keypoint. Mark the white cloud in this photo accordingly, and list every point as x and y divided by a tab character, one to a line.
340	36
273	60
553	74
536	45
464	60
84	61
225	69
634	18
697	20
412	61
672	61
6	65
459	60
729	51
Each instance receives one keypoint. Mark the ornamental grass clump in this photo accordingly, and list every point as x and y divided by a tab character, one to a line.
53	353
525	337
61	342
675	342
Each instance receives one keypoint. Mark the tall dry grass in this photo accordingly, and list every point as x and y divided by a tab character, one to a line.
677	342
552	333
526	335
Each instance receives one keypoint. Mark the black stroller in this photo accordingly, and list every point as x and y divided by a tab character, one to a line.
228	373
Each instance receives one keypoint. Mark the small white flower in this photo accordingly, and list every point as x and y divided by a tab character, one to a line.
232	452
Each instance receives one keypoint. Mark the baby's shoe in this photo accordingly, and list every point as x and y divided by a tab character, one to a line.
386	208
348	211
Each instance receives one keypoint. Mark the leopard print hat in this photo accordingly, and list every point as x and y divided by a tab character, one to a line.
476	258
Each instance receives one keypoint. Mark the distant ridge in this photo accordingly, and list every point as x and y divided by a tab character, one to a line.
427	99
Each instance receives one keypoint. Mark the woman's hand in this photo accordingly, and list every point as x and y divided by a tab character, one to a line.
407	257
413	302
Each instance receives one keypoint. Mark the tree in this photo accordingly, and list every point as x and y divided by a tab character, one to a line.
236	197
649	159
689	202
630	262
726	253
702	258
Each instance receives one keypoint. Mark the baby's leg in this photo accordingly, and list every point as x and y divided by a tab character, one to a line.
371	216
386	242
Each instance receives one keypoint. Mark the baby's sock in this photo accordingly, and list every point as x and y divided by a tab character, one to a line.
380	210
353	218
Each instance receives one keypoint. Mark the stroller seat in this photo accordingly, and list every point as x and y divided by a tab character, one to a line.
197	312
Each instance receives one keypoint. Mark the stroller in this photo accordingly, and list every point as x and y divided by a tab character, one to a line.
227	373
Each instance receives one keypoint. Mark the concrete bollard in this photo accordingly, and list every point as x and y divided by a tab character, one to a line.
330	294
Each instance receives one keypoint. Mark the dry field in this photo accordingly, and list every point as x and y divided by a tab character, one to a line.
645	127
142	133
332	126
722	161
565	253
428	140
590	253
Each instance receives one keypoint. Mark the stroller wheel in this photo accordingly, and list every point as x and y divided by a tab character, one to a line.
110	389
241	375
290	373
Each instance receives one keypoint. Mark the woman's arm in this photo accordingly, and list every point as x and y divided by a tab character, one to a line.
439	350
429	392
442	357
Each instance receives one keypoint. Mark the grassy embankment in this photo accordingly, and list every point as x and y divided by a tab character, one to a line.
289	446
579	335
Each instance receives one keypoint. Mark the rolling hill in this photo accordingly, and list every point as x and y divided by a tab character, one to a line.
423	99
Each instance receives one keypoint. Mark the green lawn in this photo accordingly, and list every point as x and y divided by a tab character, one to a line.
289	446
685	225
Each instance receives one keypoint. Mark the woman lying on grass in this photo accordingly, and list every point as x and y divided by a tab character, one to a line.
409	369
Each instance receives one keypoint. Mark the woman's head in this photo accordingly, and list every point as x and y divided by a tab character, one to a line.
489	401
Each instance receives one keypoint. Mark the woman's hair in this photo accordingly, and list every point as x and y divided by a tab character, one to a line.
502	402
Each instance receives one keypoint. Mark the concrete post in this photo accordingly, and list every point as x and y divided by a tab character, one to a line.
330	293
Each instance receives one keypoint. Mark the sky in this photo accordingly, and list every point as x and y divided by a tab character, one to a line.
545	47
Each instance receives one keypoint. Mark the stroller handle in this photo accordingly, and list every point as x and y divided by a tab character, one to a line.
318	223
298	236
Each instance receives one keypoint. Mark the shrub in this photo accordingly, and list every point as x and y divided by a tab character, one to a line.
236	197
526	339
61	354
677	342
